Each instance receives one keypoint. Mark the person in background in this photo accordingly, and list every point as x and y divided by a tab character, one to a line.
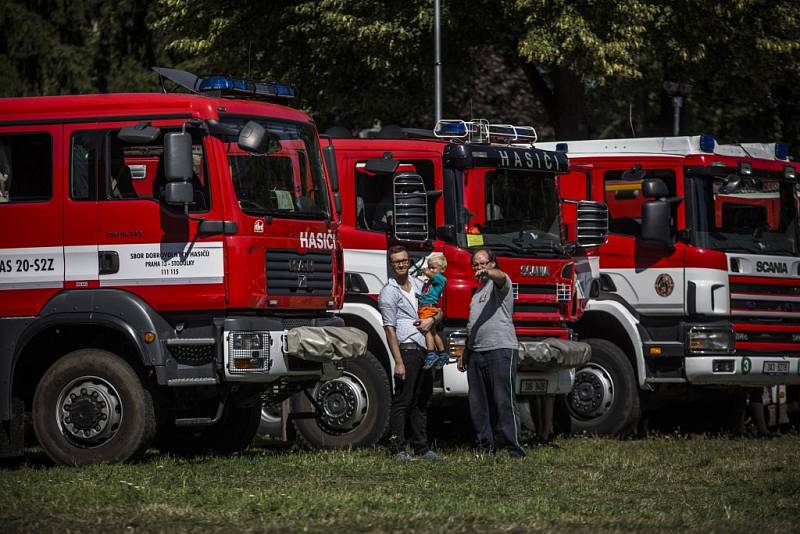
429	307
491	358
405	334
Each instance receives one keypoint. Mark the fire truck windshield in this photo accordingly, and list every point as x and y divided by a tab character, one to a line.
287	181
750	215
521	213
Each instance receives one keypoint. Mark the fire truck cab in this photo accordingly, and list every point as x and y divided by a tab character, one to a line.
158	253
471	185
700	277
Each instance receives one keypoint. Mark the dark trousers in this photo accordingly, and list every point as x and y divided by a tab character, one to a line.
410	402
491	376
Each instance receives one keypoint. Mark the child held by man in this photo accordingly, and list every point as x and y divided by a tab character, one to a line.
429	306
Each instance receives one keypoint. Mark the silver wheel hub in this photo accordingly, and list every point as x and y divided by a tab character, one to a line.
344	403
593	393
89	411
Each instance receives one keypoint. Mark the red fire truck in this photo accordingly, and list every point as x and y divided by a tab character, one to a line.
700	276
476	184
158	252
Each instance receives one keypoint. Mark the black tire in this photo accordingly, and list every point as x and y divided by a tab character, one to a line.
362	396
115	419
605	399
233	434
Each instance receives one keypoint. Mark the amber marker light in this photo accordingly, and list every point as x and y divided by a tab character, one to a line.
655	352
149	337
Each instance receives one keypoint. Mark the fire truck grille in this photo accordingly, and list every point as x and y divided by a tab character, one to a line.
535	307
766	316
290	273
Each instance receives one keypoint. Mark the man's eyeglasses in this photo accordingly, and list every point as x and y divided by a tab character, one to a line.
400	262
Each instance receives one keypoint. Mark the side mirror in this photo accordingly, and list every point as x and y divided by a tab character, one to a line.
410	217
255	139
634	174
655	222
337	202
330	162
178	164
178	193
591	225
381	165
141	134
654	188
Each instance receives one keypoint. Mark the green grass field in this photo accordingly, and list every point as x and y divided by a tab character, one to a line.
663	483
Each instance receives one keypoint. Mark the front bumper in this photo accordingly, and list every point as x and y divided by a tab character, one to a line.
742	370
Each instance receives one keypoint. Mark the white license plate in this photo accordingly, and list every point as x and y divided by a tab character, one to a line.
776	368
530	385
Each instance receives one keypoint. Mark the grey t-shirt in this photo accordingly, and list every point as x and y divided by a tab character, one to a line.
490	325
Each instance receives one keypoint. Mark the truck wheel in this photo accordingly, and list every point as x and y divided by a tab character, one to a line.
237	431
91	407
605	398
233	434
355	407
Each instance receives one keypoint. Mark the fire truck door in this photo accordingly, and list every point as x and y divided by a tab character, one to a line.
31	246
648	276
145	245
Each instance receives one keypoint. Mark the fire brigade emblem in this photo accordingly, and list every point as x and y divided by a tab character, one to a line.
664	285
258	227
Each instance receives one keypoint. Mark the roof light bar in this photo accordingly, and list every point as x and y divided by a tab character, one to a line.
707	143
480	131
782	151
225	85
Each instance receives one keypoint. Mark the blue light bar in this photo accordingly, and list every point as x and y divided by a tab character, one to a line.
450	128
562	147
707	143
245	88
781	150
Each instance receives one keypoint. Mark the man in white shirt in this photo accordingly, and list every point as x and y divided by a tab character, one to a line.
413	385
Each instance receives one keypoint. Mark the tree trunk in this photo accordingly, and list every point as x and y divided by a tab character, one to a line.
571	119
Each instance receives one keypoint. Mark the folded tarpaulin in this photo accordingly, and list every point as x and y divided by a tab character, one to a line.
326	343
562	352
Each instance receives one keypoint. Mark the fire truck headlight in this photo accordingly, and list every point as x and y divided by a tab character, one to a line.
706	340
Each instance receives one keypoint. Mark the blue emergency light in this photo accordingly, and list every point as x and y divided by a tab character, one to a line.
707	142
225	85
781	150
562	147
450	128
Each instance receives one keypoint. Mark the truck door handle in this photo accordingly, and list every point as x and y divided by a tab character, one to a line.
109	261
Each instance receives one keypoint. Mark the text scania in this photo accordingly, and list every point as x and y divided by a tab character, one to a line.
317	240
775	267
525	159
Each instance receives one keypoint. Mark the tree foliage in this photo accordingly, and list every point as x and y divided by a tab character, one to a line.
577	68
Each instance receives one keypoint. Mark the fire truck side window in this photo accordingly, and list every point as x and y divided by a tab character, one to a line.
26	168
375	196
624	198
104	168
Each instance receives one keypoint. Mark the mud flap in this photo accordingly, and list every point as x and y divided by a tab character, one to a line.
12	432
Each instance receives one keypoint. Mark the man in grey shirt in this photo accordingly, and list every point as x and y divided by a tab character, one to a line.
492	359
